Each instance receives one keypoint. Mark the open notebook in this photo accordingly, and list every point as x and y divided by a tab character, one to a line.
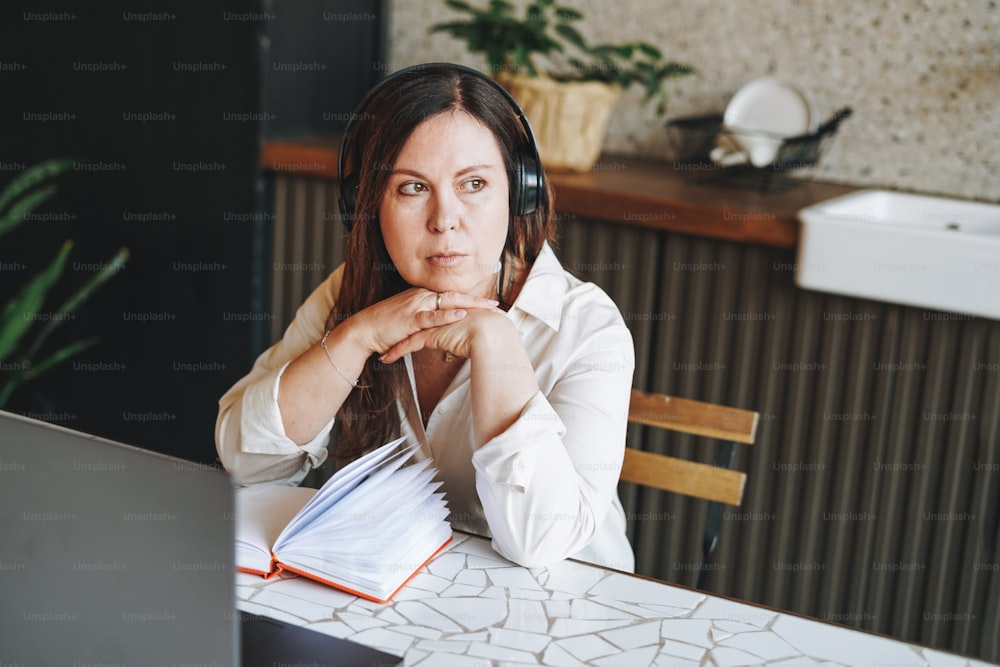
368	530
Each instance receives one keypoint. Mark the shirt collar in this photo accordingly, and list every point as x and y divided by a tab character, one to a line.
544	289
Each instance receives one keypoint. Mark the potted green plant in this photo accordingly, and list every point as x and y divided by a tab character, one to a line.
566	85
24	327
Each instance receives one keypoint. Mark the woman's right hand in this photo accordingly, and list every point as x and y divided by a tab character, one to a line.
381	325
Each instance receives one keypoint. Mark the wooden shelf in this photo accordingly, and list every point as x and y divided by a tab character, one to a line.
627	191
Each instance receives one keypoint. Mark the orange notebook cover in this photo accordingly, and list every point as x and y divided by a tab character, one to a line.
279	567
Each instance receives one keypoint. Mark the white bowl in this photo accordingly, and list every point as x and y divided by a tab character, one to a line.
762	114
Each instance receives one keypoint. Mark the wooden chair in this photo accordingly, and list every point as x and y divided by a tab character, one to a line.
717	483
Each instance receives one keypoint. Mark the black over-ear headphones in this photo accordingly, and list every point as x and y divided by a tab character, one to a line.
529	179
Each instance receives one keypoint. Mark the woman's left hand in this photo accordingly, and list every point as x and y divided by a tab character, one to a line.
459	337
503	379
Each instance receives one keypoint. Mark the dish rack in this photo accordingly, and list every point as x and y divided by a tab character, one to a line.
692	139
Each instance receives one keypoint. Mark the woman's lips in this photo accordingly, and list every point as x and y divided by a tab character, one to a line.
445	259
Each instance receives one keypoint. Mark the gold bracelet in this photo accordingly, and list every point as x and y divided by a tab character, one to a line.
322	343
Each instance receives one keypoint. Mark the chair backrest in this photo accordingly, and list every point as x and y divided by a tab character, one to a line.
701	480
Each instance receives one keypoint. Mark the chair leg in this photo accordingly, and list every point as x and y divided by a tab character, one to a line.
709	539
713	517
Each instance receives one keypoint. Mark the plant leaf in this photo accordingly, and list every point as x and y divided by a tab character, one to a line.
678	69
19	313
652	87
571	35
500	7
456	30
535	9
602	50
58	357
17	379
624	50
23	207
31	177
650	50
109	269
568	14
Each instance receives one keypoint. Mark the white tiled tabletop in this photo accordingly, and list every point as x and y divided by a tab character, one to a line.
470	606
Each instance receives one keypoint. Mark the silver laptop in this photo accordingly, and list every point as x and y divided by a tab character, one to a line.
115	555
111	554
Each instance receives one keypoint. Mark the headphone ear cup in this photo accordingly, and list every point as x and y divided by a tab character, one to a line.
530	188
517	184
348	199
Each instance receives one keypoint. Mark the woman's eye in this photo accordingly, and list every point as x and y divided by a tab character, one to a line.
474	184
412	188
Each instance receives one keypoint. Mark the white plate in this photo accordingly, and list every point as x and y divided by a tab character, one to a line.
762	113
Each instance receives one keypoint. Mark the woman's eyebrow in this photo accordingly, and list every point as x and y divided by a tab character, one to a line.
460	172
475	167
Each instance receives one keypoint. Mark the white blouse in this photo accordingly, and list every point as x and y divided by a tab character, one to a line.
544	489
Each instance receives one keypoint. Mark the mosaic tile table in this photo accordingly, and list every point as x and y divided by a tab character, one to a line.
470	606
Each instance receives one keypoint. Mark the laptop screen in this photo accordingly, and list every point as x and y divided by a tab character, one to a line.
110	554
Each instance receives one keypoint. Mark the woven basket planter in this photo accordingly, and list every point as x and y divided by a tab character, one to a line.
569	118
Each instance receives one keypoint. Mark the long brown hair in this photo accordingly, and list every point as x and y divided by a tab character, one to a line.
369	417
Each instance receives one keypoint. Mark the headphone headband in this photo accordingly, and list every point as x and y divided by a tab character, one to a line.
529	179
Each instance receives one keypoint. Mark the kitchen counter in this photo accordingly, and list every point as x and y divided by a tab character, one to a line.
691	199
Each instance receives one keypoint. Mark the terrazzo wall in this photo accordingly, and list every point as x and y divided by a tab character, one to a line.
923	78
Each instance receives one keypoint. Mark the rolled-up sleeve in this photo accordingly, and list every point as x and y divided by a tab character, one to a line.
249	434
547	483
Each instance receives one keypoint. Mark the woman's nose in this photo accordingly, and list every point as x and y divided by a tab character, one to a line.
446	212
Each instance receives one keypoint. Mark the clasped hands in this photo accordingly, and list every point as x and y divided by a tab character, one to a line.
418	319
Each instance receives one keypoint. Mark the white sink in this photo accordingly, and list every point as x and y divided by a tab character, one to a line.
917	250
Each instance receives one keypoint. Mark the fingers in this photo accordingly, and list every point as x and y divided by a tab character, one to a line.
453	330
432	325
448	300
386	323
453	333
408	345
428	319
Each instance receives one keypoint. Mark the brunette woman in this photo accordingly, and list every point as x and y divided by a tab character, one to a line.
452	322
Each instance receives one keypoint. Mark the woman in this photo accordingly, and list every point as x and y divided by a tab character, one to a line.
452	323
